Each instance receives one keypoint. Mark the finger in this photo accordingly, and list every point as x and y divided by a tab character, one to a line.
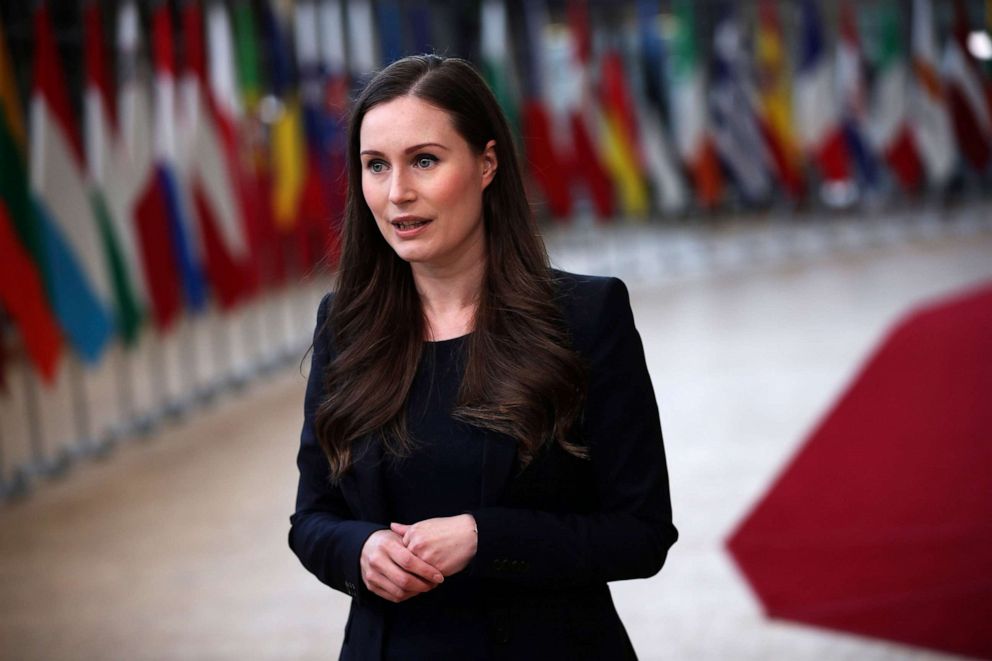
409	562
390	562
399	528
386	590
406	581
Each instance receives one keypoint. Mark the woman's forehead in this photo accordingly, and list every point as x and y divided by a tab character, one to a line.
403	122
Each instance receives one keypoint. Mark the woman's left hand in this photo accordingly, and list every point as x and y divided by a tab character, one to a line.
447	543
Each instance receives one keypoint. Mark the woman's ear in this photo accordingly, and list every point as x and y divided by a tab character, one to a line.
489	163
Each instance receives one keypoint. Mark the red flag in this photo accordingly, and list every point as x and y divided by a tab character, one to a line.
544	162
23	296
154	237
586	161
967	97
904	159
213	173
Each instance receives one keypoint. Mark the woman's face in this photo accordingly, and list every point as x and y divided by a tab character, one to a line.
423	183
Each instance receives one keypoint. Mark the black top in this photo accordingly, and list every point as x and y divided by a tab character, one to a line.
440	477
550	536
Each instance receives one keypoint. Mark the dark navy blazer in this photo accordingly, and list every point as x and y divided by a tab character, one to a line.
550	536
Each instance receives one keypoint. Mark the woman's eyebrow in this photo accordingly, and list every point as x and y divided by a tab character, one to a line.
408	150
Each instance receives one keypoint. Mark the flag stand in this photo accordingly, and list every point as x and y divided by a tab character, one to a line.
201	394
266	333
131	421
249	330
40	464
86	445
167	406
17	485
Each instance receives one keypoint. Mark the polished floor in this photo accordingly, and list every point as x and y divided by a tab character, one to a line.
174	547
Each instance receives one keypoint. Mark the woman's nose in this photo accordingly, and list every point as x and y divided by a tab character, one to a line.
400	188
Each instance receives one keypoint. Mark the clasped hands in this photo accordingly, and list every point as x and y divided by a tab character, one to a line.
407	560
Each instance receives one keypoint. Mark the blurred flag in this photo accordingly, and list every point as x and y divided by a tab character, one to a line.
690	118
854	98
584	138
102	150
817	111
659	159
928	115
267	256
288	155
22	291
335	105
316	210
418	15
775	99
362	40
966	95
390	24
550	170
890	132
22	295
733	106
177	210
621	137
497	66
14	187
77	276
137	194
209	156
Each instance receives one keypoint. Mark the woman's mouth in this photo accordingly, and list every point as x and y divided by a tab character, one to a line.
407	226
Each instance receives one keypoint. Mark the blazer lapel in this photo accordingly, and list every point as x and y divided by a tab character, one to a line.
499	453
362	484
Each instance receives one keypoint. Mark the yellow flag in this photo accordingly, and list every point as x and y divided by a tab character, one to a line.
287	158
775	93
620	159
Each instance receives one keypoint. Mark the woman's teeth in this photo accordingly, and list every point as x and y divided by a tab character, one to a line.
407	226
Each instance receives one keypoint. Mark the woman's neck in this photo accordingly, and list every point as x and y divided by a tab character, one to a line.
449	299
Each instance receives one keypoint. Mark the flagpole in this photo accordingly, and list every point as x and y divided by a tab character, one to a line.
86	444
160	388
187	369
40	464
249	330
131	421
222	355
15	487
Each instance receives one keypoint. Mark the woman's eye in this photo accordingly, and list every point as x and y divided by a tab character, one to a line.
425	160
376	166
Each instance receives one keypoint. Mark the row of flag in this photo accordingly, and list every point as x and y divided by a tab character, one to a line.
169	191
207	160
766	101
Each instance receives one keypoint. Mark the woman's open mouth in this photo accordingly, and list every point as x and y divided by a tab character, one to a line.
409	225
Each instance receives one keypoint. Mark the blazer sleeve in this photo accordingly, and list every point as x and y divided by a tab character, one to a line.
629	533
323	532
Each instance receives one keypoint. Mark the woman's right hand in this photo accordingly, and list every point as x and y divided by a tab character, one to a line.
391	571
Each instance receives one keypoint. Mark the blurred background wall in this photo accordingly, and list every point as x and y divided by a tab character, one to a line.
172	186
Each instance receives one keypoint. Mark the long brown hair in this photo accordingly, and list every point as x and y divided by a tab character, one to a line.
521	376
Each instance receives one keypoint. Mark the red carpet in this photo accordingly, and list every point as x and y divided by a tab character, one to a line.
882	523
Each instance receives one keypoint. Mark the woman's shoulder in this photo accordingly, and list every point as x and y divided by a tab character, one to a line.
591	304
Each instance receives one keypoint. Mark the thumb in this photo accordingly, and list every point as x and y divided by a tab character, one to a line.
399	528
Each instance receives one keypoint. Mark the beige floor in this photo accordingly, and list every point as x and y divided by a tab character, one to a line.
175	547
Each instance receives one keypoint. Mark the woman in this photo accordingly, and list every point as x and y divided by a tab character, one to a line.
481	450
